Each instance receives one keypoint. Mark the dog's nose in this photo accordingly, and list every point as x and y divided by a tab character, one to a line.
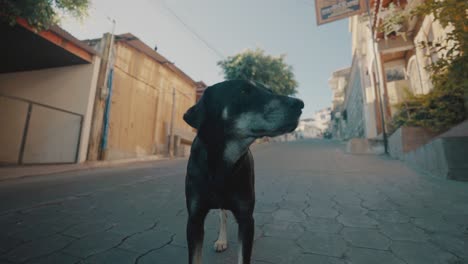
297	103
301	103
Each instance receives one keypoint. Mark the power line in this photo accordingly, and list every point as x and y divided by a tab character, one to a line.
218	53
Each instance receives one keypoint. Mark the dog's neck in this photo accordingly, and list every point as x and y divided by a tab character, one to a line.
235	148
223	151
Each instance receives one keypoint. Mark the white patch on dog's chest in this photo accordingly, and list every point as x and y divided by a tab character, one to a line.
232	151
235	148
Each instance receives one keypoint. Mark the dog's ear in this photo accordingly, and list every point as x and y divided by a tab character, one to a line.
195	114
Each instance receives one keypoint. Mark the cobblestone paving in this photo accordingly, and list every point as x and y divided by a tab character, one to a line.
315	204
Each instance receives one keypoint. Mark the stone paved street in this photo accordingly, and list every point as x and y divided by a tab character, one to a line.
315	204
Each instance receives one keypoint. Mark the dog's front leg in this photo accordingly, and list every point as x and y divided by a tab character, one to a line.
195	233
246	235
221	244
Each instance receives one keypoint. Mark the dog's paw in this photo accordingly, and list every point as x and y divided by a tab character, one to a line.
220	245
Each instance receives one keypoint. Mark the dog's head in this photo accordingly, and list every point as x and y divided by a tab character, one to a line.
244	109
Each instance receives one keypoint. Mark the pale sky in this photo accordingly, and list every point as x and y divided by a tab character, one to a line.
230	26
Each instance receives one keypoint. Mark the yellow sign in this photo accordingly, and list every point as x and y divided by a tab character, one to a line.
332	10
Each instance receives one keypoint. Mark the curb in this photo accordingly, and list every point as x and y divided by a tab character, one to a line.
11	173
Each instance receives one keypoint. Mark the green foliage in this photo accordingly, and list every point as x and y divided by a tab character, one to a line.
446	105
450	14
438	110
41	13
395	22
255	65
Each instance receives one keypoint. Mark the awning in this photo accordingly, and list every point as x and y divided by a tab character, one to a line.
23	49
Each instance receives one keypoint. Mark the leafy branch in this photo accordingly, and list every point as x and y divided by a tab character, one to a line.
41	14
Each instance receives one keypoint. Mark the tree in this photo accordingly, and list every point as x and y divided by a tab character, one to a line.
41	13
255	65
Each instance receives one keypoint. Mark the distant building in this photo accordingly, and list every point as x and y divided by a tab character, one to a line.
314	127
322	119
307	129
338	83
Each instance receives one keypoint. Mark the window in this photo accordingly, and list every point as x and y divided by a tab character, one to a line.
395	74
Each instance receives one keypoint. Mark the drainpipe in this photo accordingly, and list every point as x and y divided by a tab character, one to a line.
107	94
171	132
379	83
105	131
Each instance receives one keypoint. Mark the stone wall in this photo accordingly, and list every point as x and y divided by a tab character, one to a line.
354	107
442	156
406	139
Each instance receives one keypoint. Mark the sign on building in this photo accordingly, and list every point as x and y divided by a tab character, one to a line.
332	10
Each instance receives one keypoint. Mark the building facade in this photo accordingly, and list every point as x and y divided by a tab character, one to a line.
387	65
144	100
46	102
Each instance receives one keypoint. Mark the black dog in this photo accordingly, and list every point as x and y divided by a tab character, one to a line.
220	172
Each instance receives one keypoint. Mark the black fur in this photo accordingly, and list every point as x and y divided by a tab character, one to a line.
214	181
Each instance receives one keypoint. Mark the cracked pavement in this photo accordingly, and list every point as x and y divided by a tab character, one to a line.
315	204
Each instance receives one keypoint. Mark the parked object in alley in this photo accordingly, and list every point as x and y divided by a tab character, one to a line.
220	172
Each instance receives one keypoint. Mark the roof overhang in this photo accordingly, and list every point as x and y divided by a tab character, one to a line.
25	49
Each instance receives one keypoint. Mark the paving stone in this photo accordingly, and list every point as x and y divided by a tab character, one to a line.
388	216
93	244
7	243
131	226
41	230
358	220
311	176
317	259
420	211
88	228
288	215
326	225
349	198
322	244
287	230
262	218
57	257
38	248
297	196
456	219
455	244
371	256
112	256
290	205
274	250
179	239
147	240
422	253
403	232
166	254
10	219
321	211
228	256
364	237
379	205
437	224
351	209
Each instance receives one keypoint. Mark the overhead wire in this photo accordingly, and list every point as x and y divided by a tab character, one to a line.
192	30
